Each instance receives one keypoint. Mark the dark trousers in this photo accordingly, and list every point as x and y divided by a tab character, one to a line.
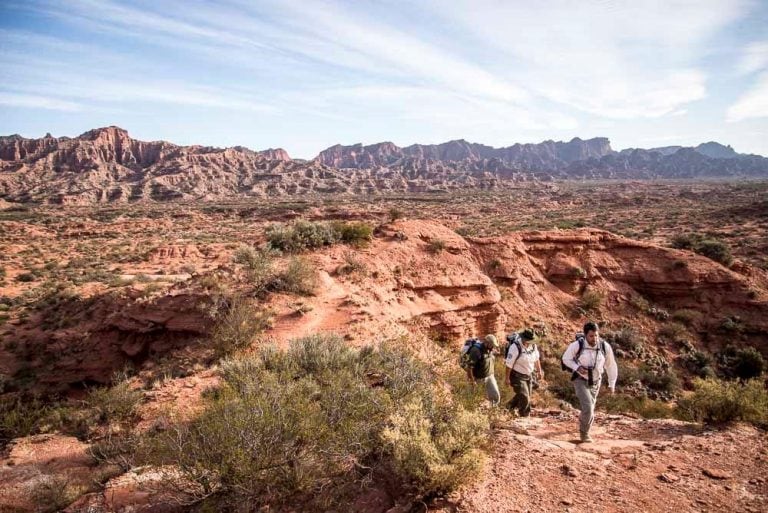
521	384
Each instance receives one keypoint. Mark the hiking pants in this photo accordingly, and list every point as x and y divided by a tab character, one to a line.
521	384
491	389
587	398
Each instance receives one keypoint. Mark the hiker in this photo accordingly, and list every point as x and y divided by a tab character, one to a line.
588	356
522	358
480	369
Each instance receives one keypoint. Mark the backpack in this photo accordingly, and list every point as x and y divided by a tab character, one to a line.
581	339
464	360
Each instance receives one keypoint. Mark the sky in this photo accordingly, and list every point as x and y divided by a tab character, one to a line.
304	75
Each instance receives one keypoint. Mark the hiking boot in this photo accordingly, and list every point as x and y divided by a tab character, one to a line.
585	439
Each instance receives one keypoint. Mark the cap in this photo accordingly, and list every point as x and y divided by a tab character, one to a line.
491	339
527	334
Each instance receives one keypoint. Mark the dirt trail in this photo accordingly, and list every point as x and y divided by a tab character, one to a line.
634	465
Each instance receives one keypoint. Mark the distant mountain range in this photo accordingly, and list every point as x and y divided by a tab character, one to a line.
107	165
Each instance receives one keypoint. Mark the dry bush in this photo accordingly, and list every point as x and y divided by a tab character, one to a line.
237	327
51	493
258	264
116	403
20	416
352	265
591	301
436	246
435	447
300	277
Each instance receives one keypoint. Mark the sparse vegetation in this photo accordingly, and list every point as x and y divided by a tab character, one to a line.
395	214
436	245
300	277
238	326
744	363
304	235
591	300
116	403
315	418
717	401
352	265
713	249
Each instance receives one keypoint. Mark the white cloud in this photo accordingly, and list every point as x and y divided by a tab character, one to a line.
752	104
755	58
611	59
37	102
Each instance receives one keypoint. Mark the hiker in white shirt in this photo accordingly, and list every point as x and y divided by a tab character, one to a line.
522	358
588	365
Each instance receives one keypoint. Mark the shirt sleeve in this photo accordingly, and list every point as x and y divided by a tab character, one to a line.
568	355
611	367
511	356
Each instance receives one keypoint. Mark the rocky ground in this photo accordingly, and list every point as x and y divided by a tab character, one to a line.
633	465
537	464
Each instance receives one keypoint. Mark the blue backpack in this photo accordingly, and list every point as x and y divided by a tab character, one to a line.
465	362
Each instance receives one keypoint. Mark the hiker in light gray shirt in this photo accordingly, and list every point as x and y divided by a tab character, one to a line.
588	357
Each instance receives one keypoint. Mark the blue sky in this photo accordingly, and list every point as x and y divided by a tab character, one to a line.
305	74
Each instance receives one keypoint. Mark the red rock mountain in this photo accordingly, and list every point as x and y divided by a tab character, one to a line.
107	165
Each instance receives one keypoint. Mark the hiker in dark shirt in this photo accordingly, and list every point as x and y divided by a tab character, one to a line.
481	368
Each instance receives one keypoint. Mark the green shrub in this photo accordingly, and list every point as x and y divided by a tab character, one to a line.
116	403
353	233
717	401
238	325
685	241
742	362
713	249
699	363
51	493
301	235
307	422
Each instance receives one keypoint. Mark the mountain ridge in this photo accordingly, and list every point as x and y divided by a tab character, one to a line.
106	165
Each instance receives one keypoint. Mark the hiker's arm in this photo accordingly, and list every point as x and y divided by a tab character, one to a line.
568	357
611	368
509	363
538	367
470	376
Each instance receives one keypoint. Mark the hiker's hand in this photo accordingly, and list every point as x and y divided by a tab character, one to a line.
613	391
541	375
